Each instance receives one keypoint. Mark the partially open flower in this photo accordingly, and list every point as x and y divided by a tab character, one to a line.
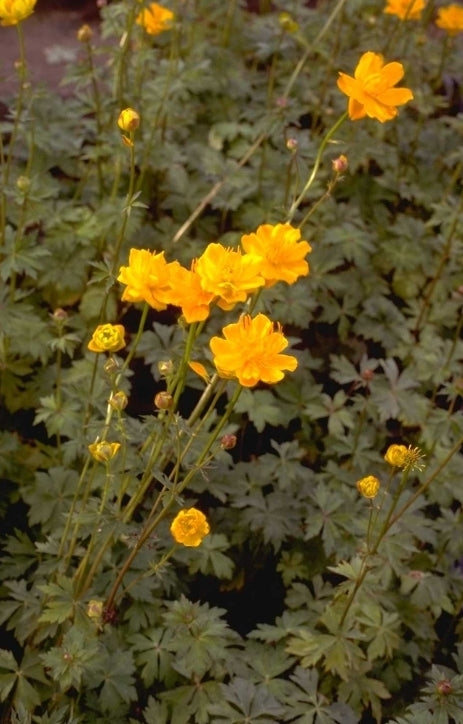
155	19
407	458
13	12
107	338
104	451
369	486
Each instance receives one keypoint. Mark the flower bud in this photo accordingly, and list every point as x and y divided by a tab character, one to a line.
84	34
292	144
118	400
340	164
23	184
444	687
111	366
128	120
288	23
107	338
367	375
95	610
369	486
163	400
60	316
166	367
228	441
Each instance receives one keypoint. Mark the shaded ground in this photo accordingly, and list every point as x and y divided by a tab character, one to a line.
50	40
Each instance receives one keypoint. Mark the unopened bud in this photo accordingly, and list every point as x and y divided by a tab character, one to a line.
128	120
367	375
444	687
163	400
60	316
111	366
166	367
118	400
288	23
340	164
228	441
292	144
84	34
23	184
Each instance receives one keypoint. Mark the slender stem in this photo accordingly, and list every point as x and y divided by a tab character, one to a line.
295	205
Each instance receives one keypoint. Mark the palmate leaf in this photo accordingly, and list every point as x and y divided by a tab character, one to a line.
18	678
192	703
308	706
244	701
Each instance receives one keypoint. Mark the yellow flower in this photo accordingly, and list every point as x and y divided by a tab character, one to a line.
155	19
104	451
188	294
281	251
408	458
189	527
95	610
450	18
405	9
13	11
128	120
251	351
369	486
147	279
228	275
107	338
371	91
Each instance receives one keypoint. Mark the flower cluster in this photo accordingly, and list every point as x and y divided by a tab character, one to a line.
13	12
221	275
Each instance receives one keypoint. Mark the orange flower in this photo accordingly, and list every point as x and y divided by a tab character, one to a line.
229	275
147	279
188	294
251	351
155	19
450	19
405	9
189	527
371	91
282	254
107	338
13	11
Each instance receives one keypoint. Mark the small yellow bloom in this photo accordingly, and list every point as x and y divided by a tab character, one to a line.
107	338
104	451
369	486
95	610
405	9
288	23
189	527
408	458
13	12
450	18
281	251
84	34
155	19
228	274
128	120
371	91
251	351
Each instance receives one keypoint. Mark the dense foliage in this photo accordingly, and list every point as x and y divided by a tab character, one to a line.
220	532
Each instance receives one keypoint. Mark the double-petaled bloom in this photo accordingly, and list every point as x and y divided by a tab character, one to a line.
371	91
107	338
281	251
147	279
155	19
13	12
450	19
228	275
369	486
251	351
189	527
405	9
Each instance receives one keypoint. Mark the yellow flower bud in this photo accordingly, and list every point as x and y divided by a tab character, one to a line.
118	401
23	184
84	34
369	486
189	527
340	164
288	23
128	120
166	367
107	338
163	400
95	610
103	451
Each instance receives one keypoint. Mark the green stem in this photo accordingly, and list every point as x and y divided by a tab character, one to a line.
295	205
